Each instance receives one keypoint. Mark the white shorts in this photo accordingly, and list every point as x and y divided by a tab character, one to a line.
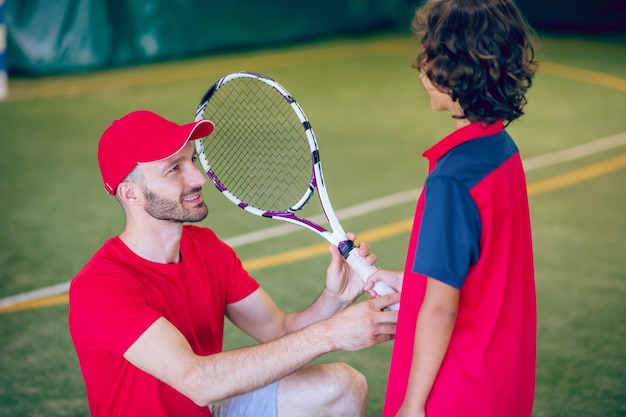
259	403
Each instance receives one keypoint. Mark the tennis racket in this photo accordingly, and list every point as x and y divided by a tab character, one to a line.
264	158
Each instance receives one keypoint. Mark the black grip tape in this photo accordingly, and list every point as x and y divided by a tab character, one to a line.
345	248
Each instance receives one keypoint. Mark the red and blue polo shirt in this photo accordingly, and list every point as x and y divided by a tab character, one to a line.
472	231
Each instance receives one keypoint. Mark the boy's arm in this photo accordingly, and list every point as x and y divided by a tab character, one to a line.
432	336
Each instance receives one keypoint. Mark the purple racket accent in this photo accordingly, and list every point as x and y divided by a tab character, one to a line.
293	217
215	181
314	180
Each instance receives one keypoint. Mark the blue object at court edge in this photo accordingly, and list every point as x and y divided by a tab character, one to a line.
4	84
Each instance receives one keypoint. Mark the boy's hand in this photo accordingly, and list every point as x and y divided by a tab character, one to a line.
392	278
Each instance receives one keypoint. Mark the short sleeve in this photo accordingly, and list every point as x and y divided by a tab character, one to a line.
449	240
108	312
240	283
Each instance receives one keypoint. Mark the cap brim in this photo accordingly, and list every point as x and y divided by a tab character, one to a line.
201	129
176	139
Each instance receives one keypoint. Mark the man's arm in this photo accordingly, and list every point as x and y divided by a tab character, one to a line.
163	352
258	316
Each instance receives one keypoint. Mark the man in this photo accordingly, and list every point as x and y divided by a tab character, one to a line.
147	311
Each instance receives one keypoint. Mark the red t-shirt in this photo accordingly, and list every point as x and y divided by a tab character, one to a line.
472	231
118	295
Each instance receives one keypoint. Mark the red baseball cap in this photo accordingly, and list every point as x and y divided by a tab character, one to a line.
141	137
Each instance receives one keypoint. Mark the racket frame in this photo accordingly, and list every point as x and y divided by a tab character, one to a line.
336	235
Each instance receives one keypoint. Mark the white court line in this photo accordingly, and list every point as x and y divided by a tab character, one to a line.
576	152
343	214
530	164
35	294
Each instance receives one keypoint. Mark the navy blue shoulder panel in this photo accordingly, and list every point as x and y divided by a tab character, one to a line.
473	160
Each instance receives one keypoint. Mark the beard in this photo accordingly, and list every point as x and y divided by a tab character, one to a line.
162	208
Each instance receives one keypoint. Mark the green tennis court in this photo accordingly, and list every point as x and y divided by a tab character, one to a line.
372	120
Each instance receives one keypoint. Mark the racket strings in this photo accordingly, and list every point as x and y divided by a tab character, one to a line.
259	150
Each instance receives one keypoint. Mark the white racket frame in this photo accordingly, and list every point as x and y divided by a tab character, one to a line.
336	235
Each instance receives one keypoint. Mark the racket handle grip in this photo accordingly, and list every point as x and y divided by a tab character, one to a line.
364	269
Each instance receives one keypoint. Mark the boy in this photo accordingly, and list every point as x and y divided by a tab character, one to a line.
466	336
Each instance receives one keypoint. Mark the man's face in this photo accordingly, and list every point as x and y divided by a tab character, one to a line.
172	188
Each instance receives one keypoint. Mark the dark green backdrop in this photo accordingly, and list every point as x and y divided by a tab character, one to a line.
53	36
58	36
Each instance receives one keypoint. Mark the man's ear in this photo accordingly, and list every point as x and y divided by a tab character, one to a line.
129	193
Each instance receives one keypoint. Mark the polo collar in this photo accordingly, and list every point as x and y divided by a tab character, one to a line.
464	134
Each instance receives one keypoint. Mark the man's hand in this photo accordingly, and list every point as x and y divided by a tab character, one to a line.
341	281
363	325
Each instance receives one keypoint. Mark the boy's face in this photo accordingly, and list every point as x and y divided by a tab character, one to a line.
439	101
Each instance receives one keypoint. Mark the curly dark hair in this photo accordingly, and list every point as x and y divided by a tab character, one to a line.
480	52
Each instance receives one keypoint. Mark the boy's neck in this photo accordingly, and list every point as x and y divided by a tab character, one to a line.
460	123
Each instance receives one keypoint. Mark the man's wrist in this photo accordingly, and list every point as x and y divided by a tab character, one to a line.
338	301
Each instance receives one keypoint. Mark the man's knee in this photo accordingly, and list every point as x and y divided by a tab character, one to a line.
346	379
352	394
335	389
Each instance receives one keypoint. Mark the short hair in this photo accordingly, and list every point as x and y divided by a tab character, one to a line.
135	176
481	52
